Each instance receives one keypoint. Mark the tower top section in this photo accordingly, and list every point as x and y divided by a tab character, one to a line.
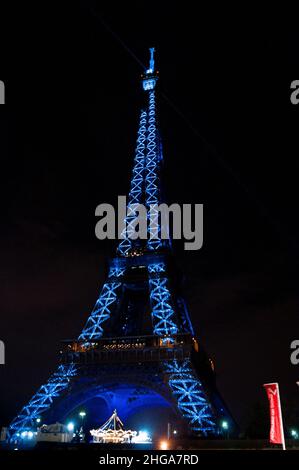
150	77
152	61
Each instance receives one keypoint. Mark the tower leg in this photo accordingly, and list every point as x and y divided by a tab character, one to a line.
42	400
190	397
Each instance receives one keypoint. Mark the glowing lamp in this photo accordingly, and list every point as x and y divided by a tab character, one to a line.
224	424
70	427
163	445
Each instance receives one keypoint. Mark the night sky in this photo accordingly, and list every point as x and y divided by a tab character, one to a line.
230	135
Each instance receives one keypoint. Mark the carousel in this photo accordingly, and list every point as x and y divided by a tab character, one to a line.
113	432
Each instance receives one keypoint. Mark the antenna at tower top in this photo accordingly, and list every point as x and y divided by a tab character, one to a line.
152	61
150	77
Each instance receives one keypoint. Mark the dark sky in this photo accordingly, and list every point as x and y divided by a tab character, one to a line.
67	136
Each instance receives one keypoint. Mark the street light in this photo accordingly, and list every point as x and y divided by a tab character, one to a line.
224	424
163	445
294	433
82	415
225	427
38	420
70	427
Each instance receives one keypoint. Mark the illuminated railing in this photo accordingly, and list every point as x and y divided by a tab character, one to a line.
148	347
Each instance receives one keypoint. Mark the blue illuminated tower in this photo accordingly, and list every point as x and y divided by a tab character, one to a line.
137	348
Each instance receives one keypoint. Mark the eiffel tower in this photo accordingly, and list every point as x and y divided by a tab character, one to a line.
137	348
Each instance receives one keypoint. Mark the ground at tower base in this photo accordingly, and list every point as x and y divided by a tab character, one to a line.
160	444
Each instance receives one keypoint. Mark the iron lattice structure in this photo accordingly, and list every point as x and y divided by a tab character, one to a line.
191	397
164	322
136	189
43	399
93	329
139	278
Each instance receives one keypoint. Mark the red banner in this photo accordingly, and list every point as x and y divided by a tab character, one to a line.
276	428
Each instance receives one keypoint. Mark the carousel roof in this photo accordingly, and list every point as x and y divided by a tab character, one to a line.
113	426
